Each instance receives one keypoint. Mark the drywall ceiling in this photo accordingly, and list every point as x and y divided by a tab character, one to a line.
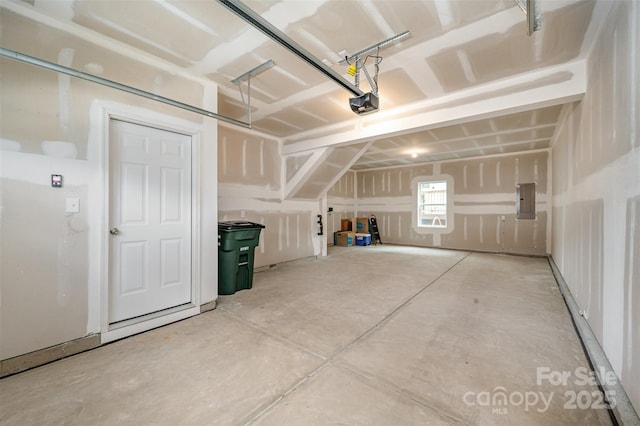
470	58
528	130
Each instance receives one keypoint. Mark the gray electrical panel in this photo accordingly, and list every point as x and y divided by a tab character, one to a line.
526	201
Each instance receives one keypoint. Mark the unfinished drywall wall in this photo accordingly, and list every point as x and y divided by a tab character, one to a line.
44	266
51	270
249	160
341	199
484	203
52	99
250	173
596	193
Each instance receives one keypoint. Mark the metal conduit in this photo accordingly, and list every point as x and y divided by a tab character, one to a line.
21	57
279	37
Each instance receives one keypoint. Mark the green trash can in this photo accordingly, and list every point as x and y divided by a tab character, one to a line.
237	241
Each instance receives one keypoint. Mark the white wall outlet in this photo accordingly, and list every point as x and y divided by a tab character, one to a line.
73	205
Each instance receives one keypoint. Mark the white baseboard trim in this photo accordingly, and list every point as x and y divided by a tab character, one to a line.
44	356
145	325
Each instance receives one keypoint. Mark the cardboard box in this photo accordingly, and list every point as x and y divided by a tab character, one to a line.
343	238
363	239
361	224
345	225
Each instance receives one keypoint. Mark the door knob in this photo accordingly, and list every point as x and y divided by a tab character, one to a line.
114	231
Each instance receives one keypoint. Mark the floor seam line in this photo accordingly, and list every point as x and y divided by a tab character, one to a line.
396	310
403	392
283	395
270	334
267	406
329	359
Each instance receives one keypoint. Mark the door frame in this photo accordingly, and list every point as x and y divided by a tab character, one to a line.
144	117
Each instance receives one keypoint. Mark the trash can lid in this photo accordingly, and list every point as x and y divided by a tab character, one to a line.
239	224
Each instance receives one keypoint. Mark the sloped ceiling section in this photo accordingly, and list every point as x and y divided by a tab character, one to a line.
322	170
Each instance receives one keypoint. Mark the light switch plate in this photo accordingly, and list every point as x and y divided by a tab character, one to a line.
73	205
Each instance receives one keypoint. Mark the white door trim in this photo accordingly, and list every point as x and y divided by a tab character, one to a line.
135	115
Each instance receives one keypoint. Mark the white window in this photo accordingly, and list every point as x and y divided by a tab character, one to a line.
432	204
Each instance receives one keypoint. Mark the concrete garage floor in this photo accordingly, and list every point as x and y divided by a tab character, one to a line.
379	335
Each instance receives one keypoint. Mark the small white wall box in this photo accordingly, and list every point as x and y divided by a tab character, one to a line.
73	205
526	201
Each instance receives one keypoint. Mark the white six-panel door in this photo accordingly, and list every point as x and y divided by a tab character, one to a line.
150	220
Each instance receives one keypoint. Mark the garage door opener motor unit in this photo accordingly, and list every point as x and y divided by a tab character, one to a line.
366	103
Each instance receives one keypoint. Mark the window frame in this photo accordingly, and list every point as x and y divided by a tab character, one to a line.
416	203
422	205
